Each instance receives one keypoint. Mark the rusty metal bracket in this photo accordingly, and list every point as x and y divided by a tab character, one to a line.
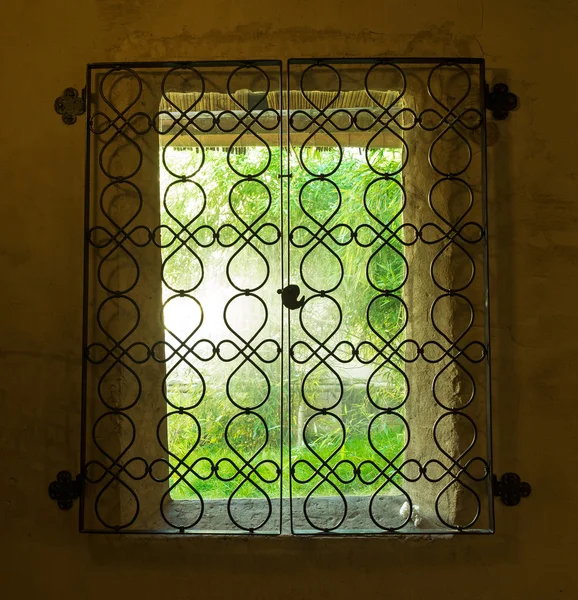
500	101
65	489
70	105
511	489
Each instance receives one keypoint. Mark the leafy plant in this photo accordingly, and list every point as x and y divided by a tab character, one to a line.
331	231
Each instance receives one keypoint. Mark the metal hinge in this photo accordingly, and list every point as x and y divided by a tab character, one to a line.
500	101
70	105
65	490
510	488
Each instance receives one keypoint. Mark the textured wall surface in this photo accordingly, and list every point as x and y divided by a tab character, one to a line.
533	46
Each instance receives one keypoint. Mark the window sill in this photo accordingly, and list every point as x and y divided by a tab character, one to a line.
251	511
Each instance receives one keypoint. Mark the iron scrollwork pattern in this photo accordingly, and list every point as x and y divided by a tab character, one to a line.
406	445
354	249
167	341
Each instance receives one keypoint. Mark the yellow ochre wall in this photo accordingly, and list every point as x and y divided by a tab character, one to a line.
531	45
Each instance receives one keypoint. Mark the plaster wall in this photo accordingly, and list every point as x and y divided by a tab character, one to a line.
532	45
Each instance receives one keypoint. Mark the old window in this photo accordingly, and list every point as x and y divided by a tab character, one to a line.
286	298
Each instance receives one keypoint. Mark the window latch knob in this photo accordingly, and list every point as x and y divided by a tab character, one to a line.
290	295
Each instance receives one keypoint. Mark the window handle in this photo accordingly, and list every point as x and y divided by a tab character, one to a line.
290	295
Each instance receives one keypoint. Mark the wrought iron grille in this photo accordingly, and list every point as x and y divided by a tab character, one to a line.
286	298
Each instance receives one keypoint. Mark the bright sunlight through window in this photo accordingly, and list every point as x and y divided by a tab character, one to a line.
197	293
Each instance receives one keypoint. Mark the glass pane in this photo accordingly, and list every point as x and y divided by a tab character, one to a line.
184	331
387	407
378	250
221	251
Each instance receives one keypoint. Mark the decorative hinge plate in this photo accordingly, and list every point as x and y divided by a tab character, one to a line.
500	101
510	488
70	105
65	489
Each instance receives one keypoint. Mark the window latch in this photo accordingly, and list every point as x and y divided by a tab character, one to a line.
290	295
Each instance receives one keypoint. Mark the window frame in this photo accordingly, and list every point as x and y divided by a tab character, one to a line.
299	62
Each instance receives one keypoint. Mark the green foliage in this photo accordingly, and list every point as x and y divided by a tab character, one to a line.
211	202
355	449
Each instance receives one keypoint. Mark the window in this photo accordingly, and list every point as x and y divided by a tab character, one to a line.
286	299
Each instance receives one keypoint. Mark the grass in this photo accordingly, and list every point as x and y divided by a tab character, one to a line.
356	449
183	206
